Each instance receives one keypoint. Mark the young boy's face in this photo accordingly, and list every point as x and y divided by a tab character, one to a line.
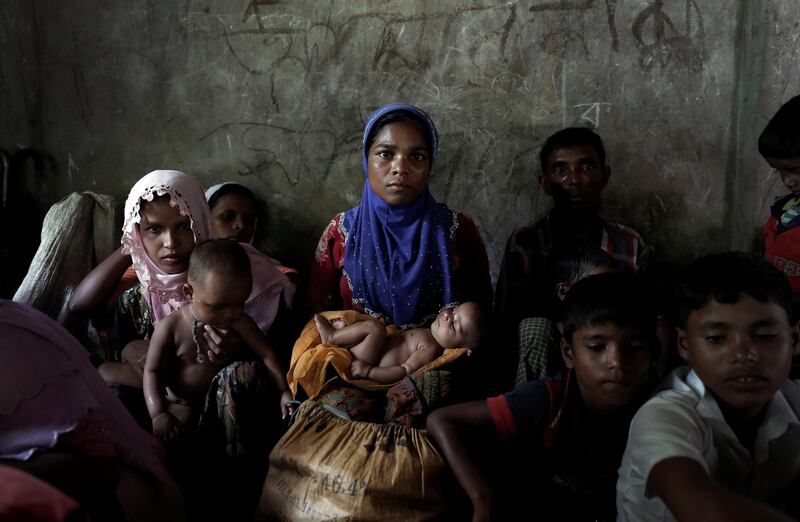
575	177
789	170
218	300
610	364
741	351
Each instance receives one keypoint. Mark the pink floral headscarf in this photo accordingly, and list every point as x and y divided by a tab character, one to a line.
164	292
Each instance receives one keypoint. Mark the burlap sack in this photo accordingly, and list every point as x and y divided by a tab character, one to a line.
328	468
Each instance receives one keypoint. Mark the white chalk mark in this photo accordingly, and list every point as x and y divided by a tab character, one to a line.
447	55
661	204
71	166
592	114
230	146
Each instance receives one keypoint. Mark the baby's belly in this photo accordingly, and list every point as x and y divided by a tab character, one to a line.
393	358
190	381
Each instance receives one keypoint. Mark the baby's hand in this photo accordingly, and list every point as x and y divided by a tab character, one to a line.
288	404
223	344
167	428
360	369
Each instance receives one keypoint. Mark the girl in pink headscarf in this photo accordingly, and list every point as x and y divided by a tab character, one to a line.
166	215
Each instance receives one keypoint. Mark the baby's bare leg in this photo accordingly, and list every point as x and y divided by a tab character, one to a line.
365	338
368	339
181	411
129	371
134	354
120	374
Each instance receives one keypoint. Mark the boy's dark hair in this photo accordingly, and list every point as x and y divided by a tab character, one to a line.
219	255
569	138
401	116
781	137
231	188
616	297
724	277
571	264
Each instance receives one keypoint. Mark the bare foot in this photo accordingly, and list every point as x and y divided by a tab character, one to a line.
338	323
325	329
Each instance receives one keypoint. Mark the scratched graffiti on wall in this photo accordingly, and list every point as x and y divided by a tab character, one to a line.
664	43
307	78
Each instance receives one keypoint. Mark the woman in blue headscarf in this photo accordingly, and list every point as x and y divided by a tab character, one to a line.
399	254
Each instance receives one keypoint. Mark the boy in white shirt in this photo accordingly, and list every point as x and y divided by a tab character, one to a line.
722	440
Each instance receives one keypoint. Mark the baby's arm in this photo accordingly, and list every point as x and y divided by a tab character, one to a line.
390	374
255	339
165	426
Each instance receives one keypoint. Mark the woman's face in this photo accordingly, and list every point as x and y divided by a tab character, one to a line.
166	235
234	217
398	164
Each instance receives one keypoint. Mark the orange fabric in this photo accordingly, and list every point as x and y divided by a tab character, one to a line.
311	358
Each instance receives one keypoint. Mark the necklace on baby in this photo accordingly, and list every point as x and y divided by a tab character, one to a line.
200	358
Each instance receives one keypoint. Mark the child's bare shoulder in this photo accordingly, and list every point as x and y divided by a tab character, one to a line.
423	340
244	324
416	336
173	326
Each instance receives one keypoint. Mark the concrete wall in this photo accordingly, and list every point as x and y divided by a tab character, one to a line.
274	93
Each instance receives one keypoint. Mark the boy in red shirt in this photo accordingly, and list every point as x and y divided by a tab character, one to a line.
779	144
568	434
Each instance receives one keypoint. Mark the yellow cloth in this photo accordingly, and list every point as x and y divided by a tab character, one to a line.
311	358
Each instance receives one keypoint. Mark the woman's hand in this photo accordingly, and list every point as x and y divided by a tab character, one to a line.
167	428
223	344
288	404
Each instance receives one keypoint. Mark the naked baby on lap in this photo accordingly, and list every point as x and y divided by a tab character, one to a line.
387	359
179	368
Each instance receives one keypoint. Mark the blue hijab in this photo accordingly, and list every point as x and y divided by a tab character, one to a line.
397	258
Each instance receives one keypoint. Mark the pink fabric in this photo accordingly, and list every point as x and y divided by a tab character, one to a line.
47	386
163	291
268	283
25	498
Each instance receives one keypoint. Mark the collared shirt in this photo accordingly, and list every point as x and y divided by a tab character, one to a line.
685	421
523	289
